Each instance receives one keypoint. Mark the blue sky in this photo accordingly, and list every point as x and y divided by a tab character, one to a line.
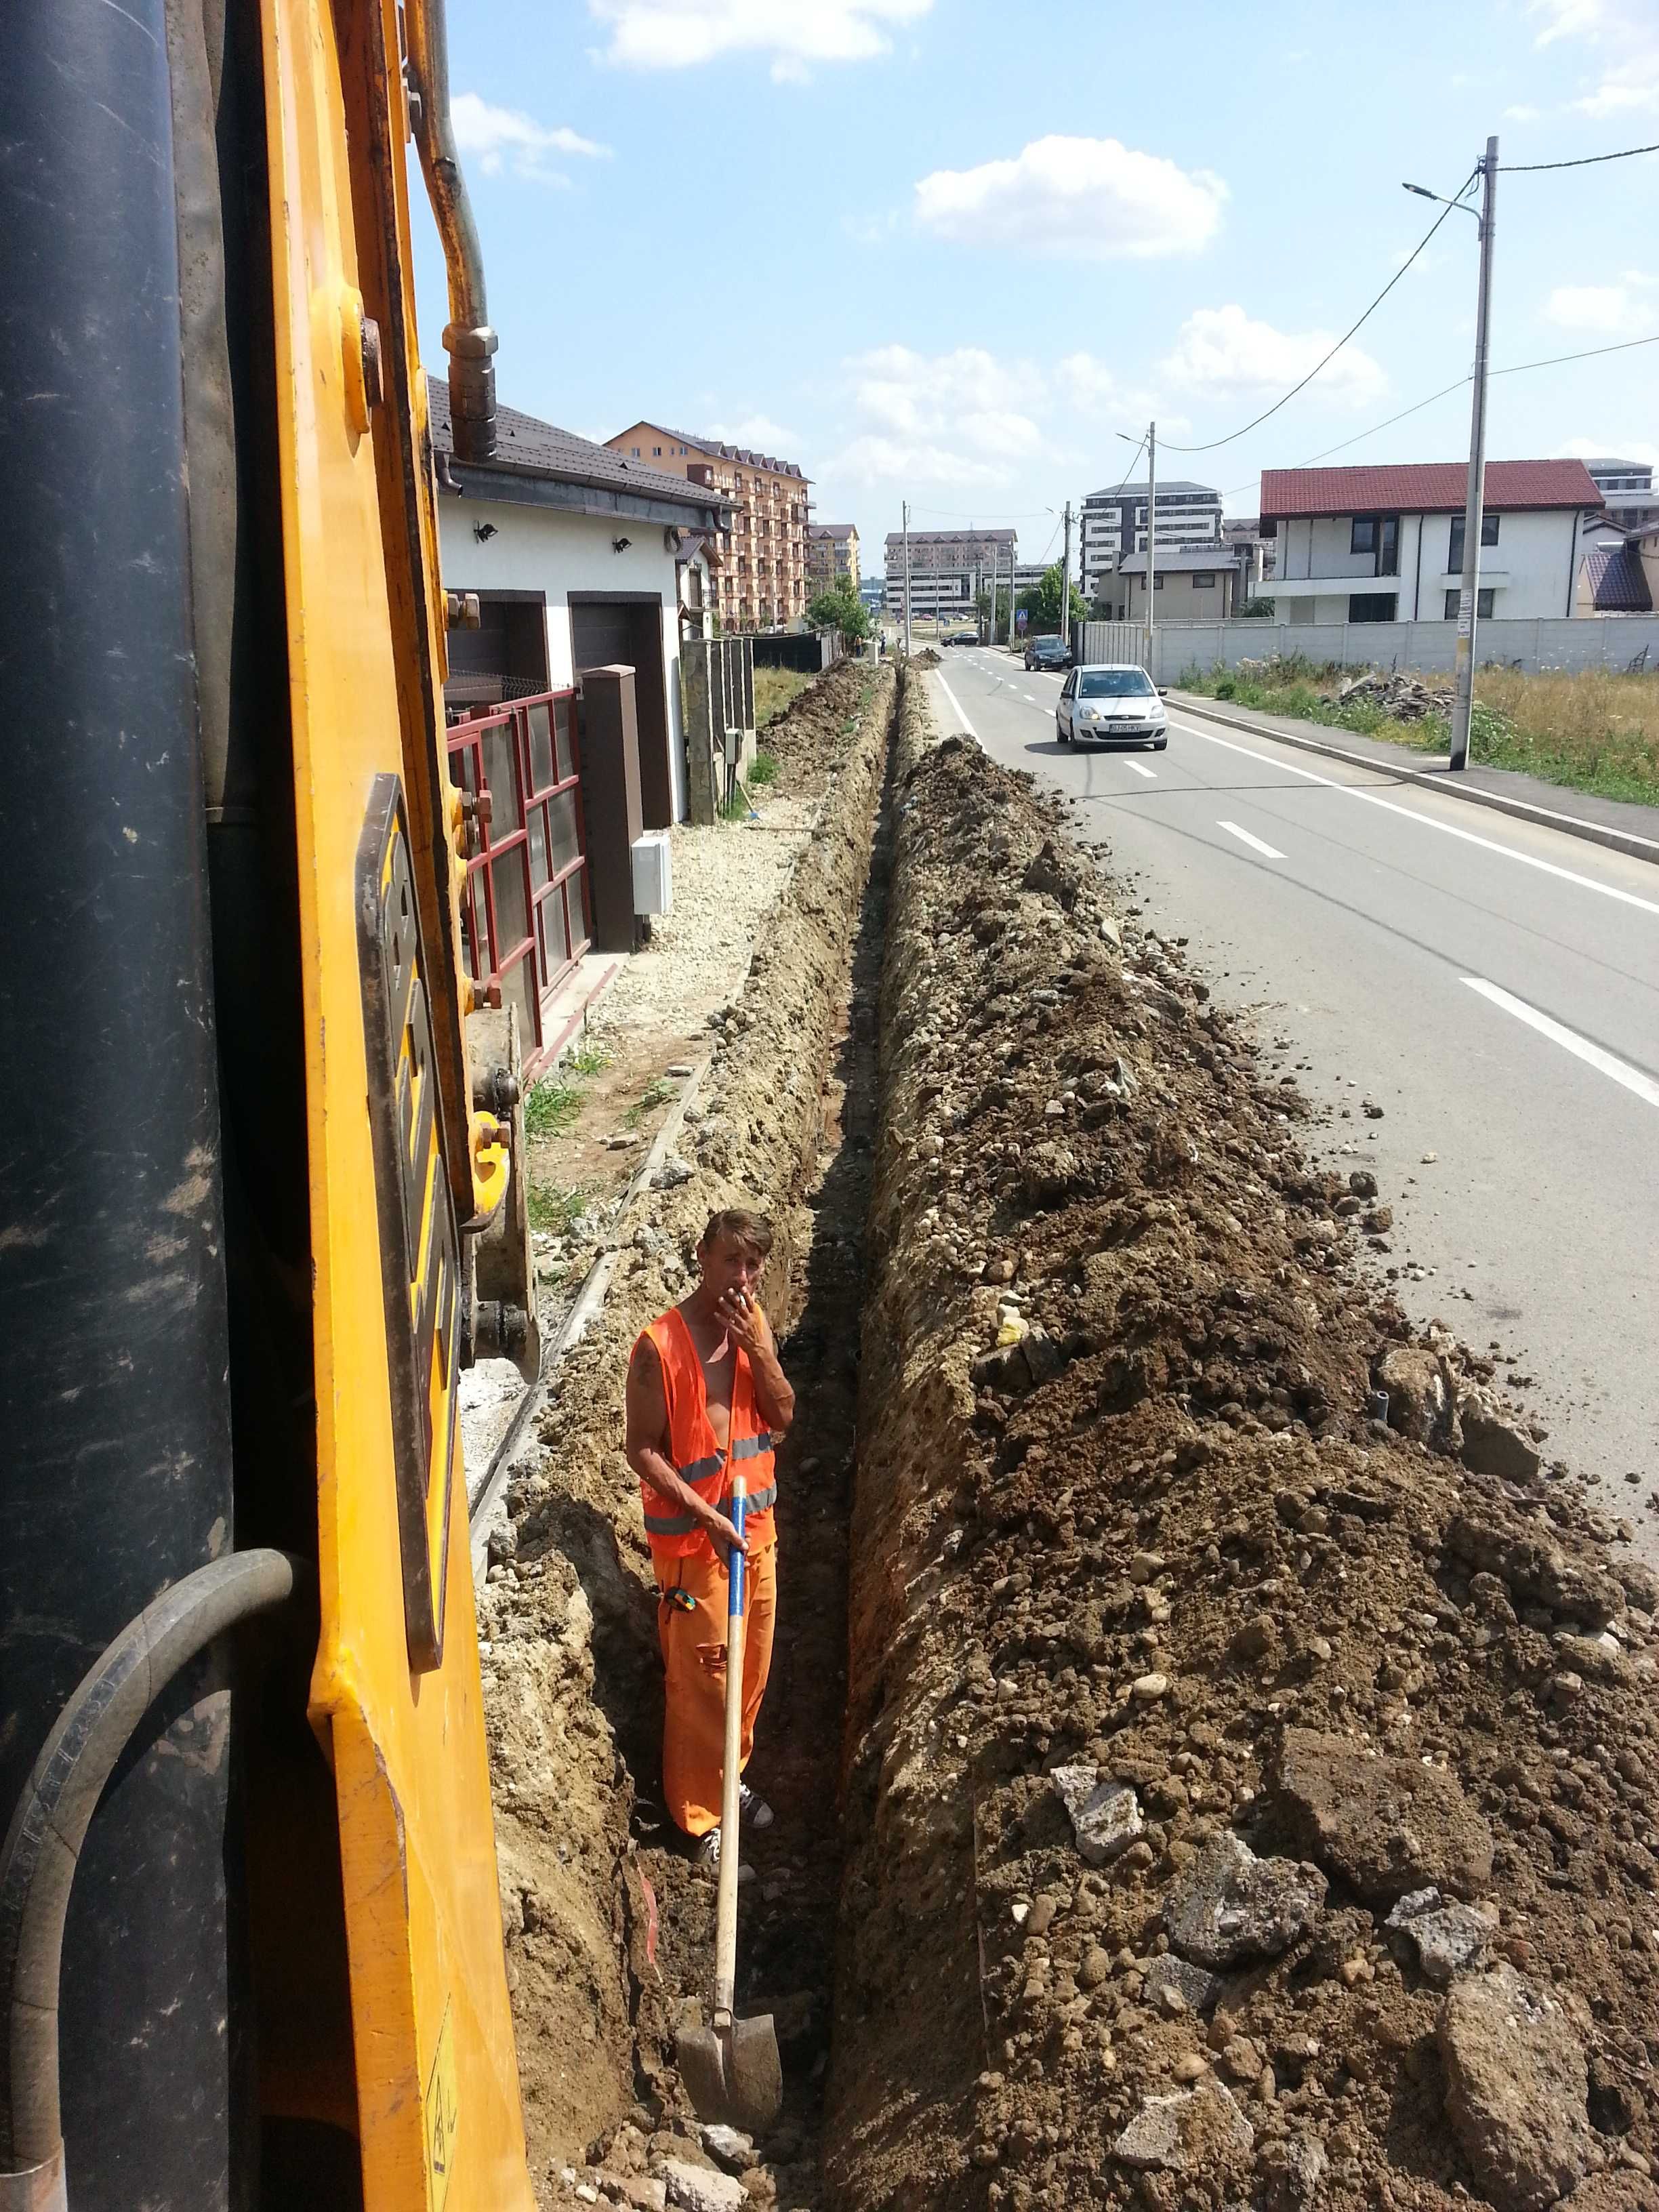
943	250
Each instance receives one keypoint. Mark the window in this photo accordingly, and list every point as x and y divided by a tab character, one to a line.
635	451
1112	683
1157	582
1362	534
658	451
1204	580
1488	536
1370	606
1483	604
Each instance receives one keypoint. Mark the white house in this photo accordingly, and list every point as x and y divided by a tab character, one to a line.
1386	543
575	553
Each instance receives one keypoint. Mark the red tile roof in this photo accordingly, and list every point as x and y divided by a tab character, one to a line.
1425	487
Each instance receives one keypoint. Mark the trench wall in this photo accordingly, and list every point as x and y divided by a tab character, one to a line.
568	1616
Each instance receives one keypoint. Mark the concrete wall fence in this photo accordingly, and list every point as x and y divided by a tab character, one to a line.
1608	641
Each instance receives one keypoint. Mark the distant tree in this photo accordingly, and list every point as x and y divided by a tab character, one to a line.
841	609
1042	602
1262	610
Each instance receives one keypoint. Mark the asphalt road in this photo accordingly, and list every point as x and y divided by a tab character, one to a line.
1492	986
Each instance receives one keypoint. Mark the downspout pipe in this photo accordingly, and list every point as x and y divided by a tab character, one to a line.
469	340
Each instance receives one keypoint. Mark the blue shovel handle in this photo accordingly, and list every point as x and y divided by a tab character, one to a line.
734	1597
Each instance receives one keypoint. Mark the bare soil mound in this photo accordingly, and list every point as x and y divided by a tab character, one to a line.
1248	1800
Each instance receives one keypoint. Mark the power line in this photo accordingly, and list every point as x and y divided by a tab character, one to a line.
1234	435
1584	161
1516	369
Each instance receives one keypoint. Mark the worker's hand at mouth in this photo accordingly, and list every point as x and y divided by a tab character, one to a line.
740	1317
724	1538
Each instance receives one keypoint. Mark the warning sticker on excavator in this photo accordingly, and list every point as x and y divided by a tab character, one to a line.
443	2115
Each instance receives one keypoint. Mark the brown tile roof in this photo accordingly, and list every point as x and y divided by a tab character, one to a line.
1424	488
1619	583
538	449
741	453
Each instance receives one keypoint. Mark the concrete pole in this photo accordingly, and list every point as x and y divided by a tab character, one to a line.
1152	538
905	525
1066	582
1469	600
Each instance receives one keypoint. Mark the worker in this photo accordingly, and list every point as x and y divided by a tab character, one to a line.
706	1400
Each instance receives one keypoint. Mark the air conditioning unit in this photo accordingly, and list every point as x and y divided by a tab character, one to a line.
654	873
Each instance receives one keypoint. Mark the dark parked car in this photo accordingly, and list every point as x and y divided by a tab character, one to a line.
1047	652
963	637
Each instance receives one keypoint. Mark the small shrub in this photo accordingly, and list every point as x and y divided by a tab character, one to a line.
764	768
551	1107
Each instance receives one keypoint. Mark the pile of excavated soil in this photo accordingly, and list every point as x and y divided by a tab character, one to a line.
1248	1802
806	738
609	1930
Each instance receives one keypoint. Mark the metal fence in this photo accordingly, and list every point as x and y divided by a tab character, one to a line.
525	913
1611	642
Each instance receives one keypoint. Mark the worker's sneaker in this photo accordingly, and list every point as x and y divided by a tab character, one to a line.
754	1810
706	1856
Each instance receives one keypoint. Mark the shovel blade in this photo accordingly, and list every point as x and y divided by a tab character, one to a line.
734	2077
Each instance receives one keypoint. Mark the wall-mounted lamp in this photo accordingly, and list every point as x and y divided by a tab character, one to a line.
483	532
620	544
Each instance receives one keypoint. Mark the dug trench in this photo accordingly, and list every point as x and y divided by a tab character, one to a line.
1212	1756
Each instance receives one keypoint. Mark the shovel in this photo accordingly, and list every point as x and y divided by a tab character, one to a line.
731	2070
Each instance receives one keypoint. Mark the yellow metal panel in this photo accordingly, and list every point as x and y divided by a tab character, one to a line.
431	2022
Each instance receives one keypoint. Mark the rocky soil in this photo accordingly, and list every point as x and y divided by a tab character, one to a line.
1248	1780
609	1930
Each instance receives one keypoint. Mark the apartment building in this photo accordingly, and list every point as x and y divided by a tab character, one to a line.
832	556
1628	489
1114	523
948	569
756	568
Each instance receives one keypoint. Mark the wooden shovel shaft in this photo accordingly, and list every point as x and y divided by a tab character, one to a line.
725	1912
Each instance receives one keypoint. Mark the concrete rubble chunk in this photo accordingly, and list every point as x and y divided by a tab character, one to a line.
1517	2089
644	2194
1105	1814
700	2189
734	2149
1493	1444
1449	1939
1229	1906
1419	1396
1197	2129
1199	1988
1385	1826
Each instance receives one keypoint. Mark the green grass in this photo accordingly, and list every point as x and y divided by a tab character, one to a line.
1593	732
776	691
656	1093
552	1108
587	1059
763	768
555	1207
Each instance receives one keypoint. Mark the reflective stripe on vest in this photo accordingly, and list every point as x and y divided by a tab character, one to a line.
757	1501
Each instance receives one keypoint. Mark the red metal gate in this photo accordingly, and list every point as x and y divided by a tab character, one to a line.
524	910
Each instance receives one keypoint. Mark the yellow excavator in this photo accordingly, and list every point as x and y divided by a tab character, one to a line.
254	1150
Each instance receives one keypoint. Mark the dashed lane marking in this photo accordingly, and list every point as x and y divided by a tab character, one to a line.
1269	851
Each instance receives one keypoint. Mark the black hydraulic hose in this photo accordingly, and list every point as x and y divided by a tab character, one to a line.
469	341
43	1845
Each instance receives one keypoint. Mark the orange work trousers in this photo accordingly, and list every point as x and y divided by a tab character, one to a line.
694	1659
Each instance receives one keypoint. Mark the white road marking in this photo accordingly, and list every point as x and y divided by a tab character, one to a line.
1569	1040
957	703
1031	695
1428	822
1140	768
1270	851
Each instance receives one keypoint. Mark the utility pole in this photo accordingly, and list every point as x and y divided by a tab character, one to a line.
1468	599
1152	538
1066	582
905	525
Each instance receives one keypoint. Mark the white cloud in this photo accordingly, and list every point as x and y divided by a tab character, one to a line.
498	135
759	433
1623	36
1521	114
1628	309
963	419
1093	199
682	33
1221	351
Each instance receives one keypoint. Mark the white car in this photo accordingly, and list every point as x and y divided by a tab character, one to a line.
1111	703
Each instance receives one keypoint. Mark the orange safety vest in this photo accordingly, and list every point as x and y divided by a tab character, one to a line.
697	1458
